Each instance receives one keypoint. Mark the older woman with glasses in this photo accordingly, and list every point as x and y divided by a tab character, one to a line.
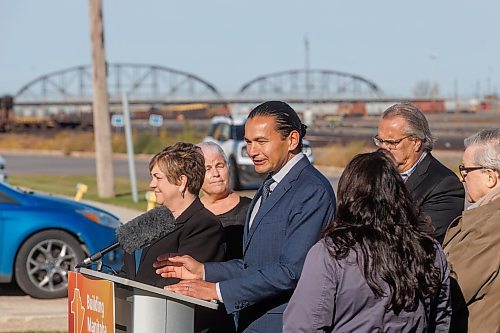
472	242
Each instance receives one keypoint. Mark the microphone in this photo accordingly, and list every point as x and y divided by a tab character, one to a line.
138	233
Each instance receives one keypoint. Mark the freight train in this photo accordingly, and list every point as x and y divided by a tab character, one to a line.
33	117
24	117
9	121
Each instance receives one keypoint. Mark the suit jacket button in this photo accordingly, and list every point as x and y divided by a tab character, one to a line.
245	266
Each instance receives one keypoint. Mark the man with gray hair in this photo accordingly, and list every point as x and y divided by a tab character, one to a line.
472	242
403	131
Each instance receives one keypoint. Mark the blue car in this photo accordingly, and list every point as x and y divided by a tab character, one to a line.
42	237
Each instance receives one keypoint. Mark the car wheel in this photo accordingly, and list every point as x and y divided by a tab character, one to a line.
234	176
43	261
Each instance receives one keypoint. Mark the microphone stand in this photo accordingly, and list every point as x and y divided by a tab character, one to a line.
97	257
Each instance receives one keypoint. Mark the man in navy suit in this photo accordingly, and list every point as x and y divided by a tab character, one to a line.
284	220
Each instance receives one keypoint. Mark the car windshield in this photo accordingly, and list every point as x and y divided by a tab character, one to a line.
239	132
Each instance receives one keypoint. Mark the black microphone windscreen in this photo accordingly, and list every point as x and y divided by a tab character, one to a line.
146	228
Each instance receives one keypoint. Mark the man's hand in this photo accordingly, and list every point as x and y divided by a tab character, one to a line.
182	267
195	288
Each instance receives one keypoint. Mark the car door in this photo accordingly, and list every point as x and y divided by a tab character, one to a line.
7	248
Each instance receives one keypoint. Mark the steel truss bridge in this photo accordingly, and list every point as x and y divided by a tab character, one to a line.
158	85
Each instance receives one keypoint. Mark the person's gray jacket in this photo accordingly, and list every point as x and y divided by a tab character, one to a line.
333	296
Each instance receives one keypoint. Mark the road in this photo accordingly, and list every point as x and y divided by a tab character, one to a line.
34	163
19	312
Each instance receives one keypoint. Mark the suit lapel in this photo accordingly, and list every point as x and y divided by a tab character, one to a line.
416	177
249	214
270	202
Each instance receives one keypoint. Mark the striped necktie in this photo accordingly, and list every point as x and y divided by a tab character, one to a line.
266	189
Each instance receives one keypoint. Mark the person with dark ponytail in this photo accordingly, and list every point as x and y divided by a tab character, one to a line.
377	267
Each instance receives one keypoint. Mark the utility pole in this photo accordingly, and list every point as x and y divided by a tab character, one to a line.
434	87
307	68
308	115
102	126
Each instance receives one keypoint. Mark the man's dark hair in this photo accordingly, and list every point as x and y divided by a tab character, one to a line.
376	217
285	117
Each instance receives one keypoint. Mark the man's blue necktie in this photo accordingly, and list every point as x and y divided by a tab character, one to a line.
266	189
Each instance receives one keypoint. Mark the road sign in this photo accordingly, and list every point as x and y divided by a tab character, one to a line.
117	120
155	120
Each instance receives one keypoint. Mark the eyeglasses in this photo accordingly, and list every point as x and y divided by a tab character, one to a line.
465	170
389	143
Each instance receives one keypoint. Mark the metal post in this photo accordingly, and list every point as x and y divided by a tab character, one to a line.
307	68
307	115
130	149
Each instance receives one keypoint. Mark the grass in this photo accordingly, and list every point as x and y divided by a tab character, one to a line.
144	142
66	185
339	155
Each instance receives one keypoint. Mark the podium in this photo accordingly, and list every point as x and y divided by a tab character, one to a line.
131	307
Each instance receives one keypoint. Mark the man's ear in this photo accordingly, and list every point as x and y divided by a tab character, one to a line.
418	143
293	140
493	178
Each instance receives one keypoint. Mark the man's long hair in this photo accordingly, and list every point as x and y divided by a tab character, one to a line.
376	218
285	117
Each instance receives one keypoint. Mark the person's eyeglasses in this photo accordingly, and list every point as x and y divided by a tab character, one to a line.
388	143
465	170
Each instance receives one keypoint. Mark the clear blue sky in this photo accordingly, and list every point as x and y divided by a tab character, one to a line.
394	43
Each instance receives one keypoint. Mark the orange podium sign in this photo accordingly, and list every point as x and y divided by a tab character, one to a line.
91	305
